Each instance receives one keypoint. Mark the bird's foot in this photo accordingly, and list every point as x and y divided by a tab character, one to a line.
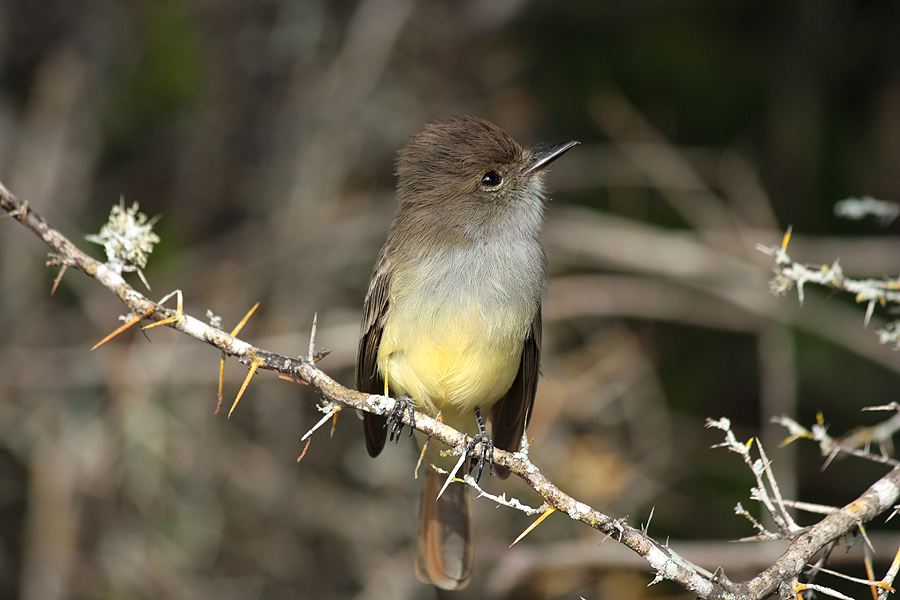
394	421
483	441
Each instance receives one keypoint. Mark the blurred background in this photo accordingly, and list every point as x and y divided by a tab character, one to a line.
264	133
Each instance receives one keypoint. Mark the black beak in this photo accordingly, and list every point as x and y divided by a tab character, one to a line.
544	157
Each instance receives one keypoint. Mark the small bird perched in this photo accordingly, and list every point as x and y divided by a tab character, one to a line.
452	319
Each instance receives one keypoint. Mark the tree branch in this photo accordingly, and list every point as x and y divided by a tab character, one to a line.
664	560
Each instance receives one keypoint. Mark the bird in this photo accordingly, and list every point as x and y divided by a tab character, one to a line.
452	317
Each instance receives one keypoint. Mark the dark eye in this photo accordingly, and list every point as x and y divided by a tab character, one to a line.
491	179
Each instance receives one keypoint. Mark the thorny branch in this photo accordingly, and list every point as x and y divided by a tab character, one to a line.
789	272
839	522
856	443
780	577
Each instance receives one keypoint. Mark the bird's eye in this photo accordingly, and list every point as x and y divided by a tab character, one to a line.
491	179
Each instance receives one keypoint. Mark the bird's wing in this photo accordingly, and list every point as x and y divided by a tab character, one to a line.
513	411
368	379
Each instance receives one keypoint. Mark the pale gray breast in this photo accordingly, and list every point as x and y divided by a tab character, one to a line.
501	278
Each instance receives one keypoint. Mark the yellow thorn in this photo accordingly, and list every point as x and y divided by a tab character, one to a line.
870	572
537	522
786	238
135	319
257	362
246	318
421	458
749	443
166	321
179	311
221	380
222	362
337	409
794	437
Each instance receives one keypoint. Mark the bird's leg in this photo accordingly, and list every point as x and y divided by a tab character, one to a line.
487	449
394	421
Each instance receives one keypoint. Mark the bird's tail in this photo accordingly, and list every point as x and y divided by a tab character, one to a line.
444	546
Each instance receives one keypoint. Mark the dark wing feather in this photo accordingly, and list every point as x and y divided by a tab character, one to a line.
367	378
513	411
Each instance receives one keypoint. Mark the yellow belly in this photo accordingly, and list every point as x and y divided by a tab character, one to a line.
451	361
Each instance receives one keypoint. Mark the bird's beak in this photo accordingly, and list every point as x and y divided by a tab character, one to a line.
544	157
